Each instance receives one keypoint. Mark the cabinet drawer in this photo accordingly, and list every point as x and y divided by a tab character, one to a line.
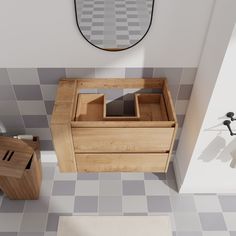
117	140
137	162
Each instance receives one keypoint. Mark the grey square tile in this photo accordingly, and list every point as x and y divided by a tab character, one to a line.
50	234
215	233
80	72
30	234
110	188
60	204
207	203
228	203
6	93
13	124
87	188
42	133
9	108
31	107
188	233
212	221
51	75
109	72
136	214
156	187
12	205
52	221
187	221
158	204
33	222
35	121
10	222
230	220
49	91
87	176
173	75
63	188
147	72
110	176
28	92
232	233
41	205
154	176
110	204
23	76
182	203
134	204
134	73
46	145
8	233
49	106
4	79
133	187
86	204
185	91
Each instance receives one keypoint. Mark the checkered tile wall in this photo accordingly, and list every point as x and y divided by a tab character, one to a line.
27	95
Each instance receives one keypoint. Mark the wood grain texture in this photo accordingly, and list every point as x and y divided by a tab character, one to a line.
122	139
27	186
120	83
122	124
138	162
62	139
90	107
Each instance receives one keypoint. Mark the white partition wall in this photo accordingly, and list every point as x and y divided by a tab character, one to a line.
205	156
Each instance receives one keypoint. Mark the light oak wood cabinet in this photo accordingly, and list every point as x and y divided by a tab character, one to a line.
87	139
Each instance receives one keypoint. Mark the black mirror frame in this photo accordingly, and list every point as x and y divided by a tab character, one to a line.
77	23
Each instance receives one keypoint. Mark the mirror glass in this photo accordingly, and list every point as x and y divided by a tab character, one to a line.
114	25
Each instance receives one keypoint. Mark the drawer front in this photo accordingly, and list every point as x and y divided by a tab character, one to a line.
102	140
136	162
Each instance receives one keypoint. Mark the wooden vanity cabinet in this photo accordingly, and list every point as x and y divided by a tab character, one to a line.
87	139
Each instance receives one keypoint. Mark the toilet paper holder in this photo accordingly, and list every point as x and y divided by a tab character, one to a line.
228	122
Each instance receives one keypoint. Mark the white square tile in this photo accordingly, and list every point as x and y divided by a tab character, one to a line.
32	107
61	204
230	220
110	73
156	187
33	222
64	176
207	203
132	176
49	92
23	76
187	221
87	188
215	233
134	204
10	222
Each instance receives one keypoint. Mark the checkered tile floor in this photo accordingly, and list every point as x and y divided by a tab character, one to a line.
114	23
117	194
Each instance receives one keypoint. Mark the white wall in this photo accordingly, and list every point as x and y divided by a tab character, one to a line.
204	156
43	33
